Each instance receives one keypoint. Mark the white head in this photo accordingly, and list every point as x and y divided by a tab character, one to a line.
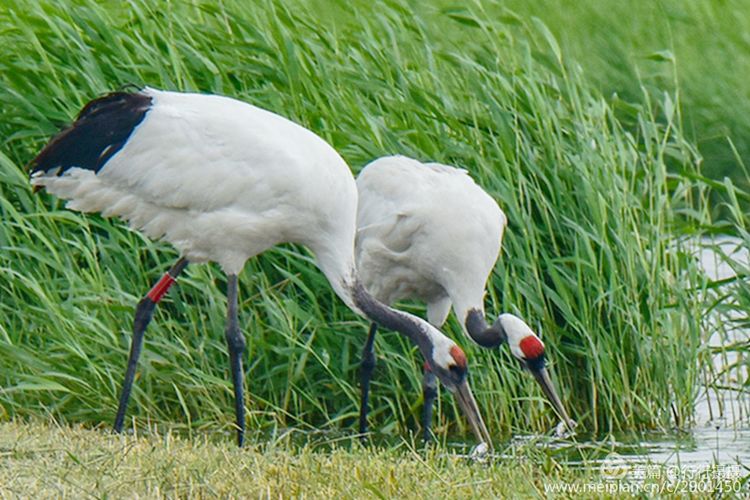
528	348
523	342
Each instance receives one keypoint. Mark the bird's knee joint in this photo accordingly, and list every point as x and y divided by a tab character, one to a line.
143	311
430	392
368	361
235	339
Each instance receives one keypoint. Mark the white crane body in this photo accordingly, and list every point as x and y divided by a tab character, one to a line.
181	177
428	232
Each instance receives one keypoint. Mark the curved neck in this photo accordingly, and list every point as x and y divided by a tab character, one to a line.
402	322
481	333
338	266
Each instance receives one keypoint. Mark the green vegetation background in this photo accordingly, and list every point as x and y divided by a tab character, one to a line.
582	122
623	45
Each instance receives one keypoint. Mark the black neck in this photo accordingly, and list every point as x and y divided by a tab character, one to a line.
392	319
481	333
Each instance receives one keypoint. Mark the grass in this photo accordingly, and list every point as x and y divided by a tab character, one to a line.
41	460
598	190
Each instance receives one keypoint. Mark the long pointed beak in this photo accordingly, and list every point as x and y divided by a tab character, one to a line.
468	405
542	377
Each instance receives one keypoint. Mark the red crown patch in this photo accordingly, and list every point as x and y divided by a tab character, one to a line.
458	356
531	347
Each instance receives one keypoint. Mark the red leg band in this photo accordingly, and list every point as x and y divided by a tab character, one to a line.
159	289
426	366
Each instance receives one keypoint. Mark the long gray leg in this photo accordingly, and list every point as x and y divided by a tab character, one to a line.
143	313
236	344
368	365
429	391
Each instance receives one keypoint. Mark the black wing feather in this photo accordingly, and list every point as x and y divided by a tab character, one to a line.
101	129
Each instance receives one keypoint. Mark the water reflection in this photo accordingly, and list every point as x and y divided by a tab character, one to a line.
701	447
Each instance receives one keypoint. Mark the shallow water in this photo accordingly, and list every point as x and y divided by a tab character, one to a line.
706	461
698	448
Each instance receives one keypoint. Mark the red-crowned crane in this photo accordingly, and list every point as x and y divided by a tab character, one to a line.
426	231
223	181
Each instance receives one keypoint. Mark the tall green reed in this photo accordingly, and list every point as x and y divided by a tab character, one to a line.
590	258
